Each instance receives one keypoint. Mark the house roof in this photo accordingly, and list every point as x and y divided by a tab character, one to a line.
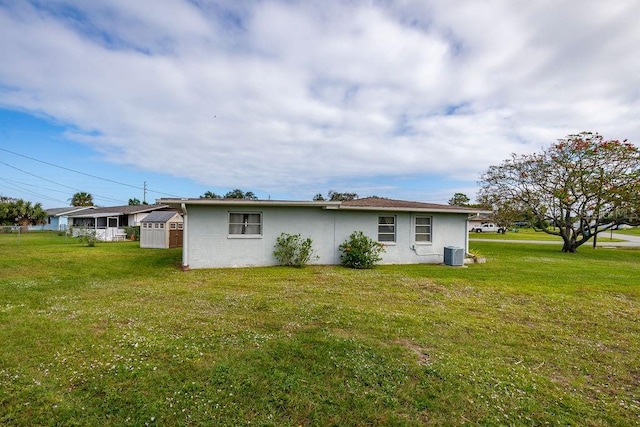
159	216
379	203
66	210
116	211
367	203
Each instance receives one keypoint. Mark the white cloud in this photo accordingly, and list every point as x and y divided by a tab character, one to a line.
287	95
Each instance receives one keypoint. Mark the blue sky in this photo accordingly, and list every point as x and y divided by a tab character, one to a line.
411	99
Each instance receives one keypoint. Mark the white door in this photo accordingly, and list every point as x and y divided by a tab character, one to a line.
112	228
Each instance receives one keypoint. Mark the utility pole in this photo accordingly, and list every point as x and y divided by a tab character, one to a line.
144	197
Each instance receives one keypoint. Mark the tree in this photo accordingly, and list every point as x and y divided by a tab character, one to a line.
504	213
459	199
576	188
81	199
239	194
134	202
210	195
318	198
19	212
335	196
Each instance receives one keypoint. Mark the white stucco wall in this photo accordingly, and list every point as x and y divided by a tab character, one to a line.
208	243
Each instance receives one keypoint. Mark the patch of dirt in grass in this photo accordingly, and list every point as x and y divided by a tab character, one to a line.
421	353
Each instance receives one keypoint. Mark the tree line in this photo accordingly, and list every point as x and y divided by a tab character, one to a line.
82	198
249	195
21	213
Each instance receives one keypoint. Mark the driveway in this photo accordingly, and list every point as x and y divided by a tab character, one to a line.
629	241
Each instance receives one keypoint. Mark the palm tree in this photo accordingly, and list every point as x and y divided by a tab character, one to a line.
5	218
23	213
82	199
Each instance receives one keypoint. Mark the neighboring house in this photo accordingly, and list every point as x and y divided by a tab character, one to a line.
109	222
161	229
57	218
235	232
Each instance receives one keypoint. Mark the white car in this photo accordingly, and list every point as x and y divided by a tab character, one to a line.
488	227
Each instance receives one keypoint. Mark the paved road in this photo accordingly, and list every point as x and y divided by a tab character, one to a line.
629	241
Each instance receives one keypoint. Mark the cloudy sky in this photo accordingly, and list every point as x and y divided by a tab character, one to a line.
409	99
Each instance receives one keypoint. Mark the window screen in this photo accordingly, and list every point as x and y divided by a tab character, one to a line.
245	223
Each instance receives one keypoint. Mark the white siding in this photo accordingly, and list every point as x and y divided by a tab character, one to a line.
208	243
154	238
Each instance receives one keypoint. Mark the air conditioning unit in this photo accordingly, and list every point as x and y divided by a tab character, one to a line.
453	256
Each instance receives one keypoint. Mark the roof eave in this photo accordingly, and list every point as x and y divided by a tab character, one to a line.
411	209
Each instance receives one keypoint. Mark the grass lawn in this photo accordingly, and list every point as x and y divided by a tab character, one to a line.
117	335
635	231
531	234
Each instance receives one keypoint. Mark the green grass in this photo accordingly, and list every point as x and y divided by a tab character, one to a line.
635	231
520	234
118	335
530	234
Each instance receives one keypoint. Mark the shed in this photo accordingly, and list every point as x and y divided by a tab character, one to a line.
161	229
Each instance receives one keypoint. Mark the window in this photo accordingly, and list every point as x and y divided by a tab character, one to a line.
161	225
173	225
423	229
156	225
386	229
245	223
179	226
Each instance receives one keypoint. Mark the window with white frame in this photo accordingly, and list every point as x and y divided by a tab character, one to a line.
241	223
387	228
423	229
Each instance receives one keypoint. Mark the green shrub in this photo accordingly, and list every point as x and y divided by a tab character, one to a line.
132	231
360	251
294	251
85	235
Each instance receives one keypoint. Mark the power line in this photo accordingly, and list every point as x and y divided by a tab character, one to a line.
87	174
70	170
57	183
18	187
18	183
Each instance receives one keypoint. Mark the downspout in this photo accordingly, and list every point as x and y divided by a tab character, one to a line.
466	236
185	238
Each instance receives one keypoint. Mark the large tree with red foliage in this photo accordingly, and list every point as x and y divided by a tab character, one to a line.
576	188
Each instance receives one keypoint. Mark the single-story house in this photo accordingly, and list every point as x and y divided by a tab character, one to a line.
238	233
161	229
109	222
58	218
